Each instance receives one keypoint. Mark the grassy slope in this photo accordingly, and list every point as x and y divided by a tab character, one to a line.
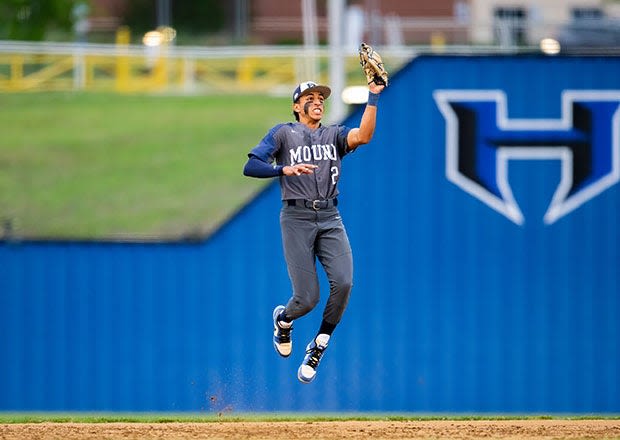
101	165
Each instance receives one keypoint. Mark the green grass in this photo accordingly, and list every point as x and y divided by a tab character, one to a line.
266	417
85	165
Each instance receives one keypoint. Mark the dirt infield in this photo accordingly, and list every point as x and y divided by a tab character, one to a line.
315	430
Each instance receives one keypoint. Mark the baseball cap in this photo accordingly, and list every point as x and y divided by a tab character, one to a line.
309	86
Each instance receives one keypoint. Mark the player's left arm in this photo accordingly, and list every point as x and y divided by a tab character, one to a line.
363	134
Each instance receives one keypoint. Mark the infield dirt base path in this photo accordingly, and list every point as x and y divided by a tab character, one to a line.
491	429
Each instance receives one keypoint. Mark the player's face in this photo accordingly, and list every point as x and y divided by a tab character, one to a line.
310	107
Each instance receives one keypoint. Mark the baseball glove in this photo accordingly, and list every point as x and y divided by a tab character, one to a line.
372	65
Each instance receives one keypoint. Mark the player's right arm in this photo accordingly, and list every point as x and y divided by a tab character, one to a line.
256	167
260	160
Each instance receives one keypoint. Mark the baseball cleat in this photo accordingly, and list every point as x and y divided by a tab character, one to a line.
314	353
282	333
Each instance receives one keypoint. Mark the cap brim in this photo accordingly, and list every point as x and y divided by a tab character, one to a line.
324	90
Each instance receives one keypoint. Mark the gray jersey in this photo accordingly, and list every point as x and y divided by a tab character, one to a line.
295	143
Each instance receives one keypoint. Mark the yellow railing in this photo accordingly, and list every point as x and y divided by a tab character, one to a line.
126	73
130	68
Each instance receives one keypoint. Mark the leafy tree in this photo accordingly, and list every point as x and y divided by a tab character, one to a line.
31	19
197	17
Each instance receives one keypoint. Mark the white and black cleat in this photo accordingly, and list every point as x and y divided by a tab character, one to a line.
314	353
282	333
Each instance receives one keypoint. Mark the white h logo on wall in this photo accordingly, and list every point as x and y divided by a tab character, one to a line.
481	139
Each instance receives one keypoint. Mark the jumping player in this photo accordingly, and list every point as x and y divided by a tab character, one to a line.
307	155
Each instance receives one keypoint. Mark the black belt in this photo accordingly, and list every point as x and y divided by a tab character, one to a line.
313	204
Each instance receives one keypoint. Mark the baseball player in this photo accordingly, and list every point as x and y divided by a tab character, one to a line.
307	155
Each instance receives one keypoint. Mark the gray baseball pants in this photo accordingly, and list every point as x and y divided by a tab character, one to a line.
308	235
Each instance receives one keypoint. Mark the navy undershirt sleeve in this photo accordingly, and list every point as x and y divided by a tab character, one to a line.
256	167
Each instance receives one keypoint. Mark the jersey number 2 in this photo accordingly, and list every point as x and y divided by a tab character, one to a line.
334	171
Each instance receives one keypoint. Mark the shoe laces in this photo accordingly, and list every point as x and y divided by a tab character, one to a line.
284	333
314	356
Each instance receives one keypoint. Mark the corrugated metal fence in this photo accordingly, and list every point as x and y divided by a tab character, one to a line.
456	306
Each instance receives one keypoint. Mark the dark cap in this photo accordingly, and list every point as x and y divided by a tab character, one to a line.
307	87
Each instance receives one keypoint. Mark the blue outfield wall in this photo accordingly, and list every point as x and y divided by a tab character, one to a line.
484	220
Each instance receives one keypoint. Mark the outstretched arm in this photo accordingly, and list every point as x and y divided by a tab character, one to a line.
363	134
256	167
